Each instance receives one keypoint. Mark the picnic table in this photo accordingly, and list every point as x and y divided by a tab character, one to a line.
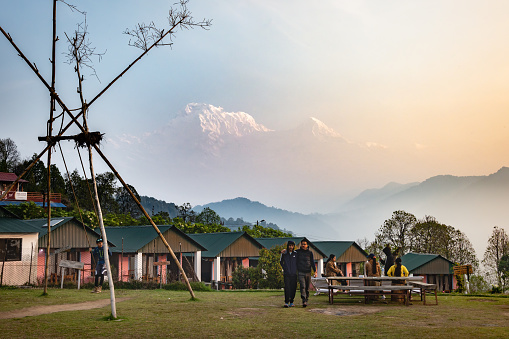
359	286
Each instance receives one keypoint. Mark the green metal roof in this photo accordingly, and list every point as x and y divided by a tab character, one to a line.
135	237
13	225
337	247
413	261
271	242
215	243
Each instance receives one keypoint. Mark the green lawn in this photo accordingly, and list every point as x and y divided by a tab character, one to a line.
162	313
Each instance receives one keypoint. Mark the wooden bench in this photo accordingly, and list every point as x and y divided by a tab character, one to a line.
424	287
371	291
321	285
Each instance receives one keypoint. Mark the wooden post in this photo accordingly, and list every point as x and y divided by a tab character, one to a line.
62	273
104	237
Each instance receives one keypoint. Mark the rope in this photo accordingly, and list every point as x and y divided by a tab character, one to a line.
88	183
76	199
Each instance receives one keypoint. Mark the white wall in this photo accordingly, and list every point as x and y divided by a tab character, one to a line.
18	272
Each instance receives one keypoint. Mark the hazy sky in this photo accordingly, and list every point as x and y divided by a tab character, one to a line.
424	77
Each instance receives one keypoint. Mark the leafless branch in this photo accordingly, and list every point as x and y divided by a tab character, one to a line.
73	8
145	36
80	50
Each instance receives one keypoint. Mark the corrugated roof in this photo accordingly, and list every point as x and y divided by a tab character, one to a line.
412	261
10	177
13	225
271	242
136	237
215	243
337	247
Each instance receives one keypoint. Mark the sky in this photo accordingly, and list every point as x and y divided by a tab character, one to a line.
426	78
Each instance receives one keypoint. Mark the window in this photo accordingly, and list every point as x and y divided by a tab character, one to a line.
10	249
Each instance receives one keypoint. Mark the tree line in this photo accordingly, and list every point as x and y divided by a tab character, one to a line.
403	231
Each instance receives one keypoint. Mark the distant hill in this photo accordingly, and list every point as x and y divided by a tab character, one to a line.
472	204
251	211
153	206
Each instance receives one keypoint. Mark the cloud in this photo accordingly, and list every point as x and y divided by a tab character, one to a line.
375	145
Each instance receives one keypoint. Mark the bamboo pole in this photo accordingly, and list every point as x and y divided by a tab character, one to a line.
149	219
105	239
49	132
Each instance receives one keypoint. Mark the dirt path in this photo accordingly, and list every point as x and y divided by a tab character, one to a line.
38	310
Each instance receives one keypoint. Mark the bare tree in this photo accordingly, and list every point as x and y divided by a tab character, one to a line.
498	246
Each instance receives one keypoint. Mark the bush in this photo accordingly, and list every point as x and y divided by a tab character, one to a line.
272	274
240	277
495	290
478	284
243	278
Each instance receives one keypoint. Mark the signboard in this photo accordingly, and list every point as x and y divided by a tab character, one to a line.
463	269
162	263
71	264
62	249
13	195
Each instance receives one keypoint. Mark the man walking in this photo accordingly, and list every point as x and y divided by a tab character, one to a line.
305	265
288	262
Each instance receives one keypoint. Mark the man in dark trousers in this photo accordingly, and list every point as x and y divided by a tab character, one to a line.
100	268
288	262
305	265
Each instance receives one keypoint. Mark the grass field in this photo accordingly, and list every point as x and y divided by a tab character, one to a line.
226	314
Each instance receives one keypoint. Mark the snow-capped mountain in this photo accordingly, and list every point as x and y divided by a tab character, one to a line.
229	152
215	122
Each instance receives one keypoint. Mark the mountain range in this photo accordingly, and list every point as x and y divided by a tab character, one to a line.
472	204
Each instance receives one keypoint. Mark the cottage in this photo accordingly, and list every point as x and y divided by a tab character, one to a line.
349	255
435	269
18	250
140	254
225	251
70	240
317	253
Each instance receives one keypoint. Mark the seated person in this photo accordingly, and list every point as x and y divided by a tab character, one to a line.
398	270
331	270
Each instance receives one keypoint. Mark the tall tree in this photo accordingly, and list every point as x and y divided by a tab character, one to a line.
208	217
498	246
429	236
396	231
186	212
9	155
126	203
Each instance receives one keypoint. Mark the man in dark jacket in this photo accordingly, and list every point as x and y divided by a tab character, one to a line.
305	265
100	268
390	256
288	262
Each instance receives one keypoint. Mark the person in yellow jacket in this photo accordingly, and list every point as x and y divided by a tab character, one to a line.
398	270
